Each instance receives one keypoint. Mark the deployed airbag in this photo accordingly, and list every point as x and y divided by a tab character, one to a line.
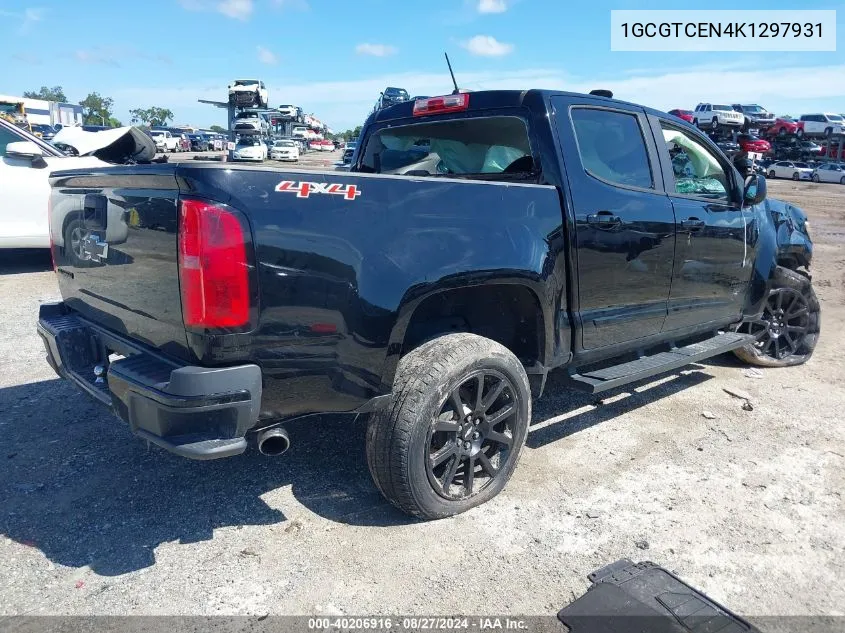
121	145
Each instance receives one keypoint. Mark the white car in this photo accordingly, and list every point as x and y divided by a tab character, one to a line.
250	148
831	172
165	141
789	169
251	123
284	149
712	115
824	124
25	166
248	92
287	111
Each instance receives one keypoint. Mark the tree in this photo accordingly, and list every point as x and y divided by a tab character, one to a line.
218	129
47	94
151	116
96	109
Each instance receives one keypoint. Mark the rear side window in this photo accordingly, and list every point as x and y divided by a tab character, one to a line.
611	146
489	148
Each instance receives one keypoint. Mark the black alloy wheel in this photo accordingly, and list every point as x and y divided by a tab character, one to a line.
788	329
470	441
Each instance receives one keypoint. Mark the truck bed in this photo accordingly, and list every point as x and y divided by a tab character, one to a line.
340	264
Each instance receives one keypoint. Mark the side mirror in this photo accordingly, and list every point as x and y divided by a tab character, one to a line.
26	150
755	189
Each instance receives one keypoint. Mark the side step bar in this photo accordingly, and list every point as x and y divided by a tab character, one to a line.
599	380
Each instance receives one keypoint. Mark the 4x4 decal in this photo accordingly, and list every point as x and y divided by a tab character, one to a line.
305	189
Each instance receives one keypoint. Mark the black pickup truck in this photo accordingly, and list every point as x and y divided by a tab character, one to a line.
479	241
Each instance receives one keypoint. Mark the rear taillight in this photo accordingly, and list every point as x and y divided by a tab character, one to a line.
441	105
213	266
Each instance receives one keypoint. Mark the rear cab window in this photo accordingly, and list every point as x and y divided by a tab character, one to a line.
612	147
493	147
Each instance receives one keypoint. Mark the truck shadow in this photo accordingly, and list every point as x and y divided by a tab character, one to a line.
25	260
80	488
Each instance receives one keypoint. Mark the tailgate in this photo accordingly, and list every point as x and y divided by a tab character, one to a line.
113	232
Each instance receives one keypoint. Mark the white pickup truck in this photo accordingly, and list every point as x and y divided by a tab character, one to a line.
165	141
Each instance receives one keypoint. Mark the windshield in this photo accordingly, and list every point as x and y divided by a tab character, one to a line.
396	92
753	108
246	82
834	117
722	107
284	144
249	142
155	133
458	147
40	127
246	115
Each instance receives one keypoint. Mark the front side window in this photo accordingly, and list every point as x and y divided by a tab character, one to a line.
486	148
697	170
611	146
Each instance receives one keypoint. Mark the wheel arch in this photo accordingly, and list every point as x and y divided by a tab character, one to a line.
492	309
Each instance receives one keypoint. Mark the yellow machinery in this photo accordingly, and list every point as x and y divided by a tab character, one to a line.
15	113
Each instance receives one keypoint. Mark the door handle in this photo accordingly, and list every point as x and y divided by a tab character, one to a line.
692	224
604	220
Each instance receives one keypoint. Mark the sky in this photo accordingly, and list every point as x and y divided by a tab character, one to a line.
333	57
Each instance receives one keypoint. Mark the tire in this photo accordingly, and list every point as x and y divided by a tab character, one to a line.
714	124
828	132
842	180
799	133
796	176
816	178
791	307
422	447
772	174
782	131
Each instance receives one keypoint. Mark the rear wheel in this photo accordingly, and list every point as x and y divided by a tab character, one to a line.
788	330
451	436
828	132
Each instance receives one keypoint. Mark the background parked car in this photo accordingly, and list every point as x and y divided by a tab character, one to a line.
790	169
749	143
686	115
728	147
783	125
199	143
164	140
250	148
248	93
825	124
712	115
284	149
756	117
830	172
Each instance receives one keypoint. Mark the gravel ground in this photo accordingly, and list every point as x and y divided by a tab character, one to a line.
747	506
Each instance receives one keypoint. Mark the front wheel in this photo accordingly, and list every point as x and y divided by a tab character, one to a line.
796	176
799	133
450	438
842	180
816	178
714	124
772	173
788	329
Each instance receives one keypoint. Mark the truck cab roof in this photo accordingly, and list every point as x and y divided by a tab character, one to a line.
491	99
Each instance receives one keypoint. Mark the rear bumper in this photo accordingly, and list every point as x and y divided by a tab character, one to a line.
195	412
